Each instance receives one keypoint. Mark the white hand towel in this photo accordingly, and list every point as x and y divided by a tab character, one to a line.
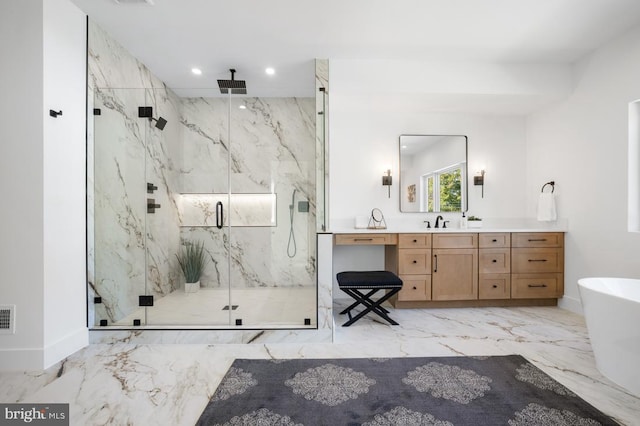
547	207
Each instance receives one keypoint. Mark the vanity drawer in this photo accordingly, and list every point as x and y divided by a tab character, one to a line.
414	261
366	239
494	261
414	240
500	240
535	286
537	239
415	287
494	286
525	260
455	241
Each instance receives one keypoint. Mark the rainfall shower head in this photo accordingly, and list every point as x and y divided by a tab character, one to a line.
237	87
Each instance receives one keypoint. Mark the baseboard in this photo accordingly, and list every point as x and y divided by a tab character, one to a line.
571	304
21	359
64	347
38	359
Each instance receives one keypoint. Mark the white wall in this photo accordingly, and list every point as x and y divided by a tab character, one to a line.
42	268
64	148
21	177
581	143
364	131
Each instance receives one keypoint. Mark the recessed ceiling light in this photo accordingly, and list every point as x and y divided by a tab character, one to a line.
242	107
270	71
196	71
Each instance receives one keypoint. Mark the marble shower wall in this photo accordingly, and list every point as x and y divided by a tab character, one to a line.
131	253
261	154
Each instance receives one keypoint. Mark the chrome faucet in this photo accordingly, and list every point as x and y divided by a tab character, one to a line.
438	219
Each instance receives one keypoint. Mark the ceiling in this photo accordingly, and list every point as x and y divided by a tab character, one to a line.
173	36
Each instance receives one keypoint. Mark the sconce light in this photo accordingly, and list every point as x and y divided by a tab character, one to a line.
479	180
387	180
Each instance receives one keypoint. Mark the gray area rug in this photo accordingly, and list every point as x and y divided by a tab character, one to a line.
443	391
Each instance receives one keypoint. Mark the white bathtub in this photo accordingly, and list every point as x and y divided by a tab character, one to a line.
612	312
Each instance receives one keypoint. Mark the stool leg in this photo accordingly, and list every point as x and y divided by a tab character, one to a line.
357	302
371	305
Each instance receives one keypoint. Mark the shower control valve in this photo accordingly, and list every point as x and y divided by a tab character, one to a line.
151	205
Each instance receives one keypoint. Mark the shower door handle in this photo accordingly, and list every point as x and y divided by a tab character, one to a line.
219	214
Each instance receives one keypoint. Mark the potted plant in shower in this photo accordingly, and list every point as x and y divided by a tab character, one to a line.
192	259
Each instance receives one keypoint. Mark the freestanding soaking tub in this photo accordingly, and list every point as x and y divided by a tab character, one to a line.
612	312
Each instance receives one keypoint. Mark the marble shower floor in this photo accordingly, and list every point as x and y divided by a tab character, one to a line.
266	306
123	383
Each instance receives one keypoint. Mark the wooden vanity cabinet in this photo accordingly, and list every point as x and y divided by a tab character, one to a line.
464	269
494	266
414	267
454	267
537	265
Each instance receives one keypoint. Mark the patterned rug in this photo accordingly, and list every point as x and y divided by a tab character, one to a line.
442	391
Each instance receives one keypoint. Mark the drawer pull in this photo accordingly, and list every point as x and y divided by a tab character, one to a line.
537	260
494	261
537	286
532	240
415	241
363	239
494	241
415	261
495	286
415	288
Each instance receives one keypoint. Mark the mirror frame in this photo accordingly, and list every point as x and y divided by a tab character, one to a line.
465	200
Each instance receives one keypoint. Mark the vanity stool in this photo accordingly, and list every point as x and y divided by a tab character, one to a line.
352	282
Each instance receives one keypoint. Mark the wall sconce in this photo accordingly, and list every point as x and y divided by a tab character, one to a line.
479	180
387	180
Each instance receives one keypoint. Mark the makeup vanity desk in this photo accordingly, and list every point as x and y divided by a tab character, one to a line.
472	267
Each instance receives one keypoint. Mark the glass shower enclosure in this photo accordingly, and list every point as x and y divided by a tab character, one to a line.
233	174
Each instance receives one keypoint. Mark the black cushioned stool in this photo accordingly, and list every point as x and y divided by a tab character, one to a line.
352	282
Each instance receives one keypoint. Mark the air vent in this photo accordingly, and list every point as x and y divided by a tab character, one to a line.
7	319
149	2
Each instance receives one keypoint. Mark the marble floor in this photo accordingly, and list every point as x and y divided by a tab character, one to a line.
265	306
126	384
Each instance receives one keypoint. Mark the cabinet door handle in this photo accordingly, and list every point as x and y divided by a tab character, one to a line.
537	285
537	260
415	261
415	288
531	240
494	261
363	239
435	263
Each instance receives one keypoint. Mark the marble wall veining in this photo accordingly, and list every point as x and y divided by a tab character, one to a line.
130	253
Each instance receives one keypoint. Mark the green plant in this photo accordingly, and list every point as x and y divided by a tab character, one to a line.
192	259
474	218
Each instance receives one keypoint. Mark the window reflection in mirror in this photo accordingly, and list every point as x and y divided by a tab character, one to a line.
433	173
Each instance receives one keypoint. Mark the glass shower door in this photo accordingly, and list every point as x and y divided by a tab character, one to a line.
188	163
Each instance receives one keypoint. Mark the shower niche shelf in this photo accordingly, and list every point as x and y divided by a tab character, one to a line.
209	209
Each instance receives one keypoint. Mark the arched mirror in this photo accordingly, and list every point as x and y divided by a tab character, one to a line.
433	173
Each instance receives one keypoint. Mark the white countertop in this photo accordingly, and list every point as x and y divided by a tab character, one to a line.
405	225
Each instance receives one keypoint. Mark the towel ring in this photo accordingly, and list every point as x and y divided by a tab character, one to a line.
553	186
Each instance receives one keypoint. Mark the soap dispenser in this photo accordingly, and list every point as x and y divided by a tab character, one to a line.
463	221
